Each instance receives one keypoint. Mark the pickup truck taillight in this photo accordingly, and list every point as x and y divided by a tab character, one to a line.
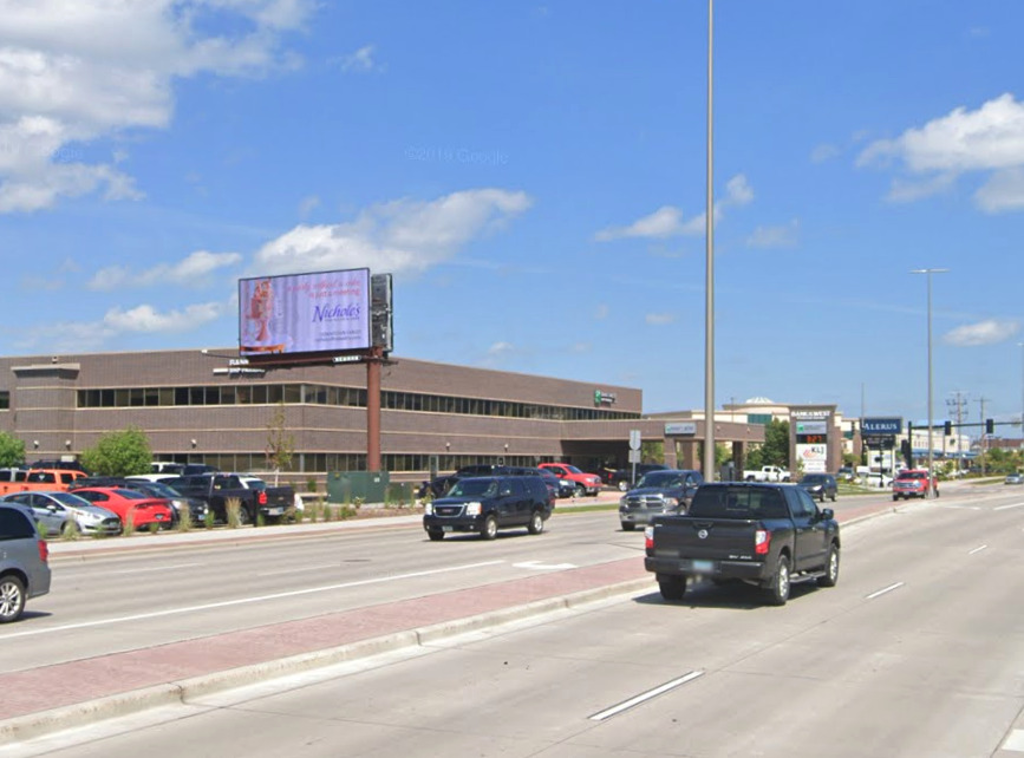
762	541
262	497
649	537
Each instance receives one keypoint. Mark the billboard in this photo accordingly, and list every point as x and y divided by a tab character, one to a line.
327	311
813	457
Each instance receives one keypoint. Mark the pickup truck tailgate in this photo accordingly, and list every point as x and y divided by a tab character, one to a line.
720	539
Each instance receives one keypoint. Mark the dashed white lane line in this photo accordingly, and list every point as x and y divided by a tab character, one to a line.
978	549
1015	741
645	696
884	590
1008	507
246	600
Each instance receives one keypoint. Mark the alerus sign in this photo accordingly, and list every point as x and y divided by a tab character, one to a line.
881	426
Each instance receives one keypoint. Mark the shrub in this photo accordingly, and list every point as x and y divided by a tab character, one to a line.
184	519
233	507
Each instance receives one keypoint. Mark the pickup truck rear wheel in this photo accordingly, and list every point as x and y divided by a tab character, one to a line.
490	528
536	525
778	586
243	516
831	568
672	587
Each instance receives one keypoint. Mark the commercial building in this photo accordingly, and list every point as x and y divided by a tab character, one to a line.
207	407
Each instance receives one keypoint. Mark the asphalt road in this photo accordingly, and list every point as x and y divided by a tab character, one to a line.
917	652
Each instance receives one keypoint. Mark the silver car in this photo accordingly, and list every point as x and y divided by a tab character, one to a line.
24	571
62	513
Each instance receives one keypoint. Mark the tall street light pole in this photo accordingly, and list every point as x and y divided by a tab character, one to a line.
709	283
1021	344
931	448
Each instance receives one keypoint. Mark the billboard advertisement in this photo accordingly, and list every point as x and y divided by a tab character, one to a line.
327	311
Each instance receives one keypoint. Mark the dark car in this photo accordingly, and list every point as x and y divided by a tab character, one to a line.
488	503
660	492
438	486
623	478
24	567
820	486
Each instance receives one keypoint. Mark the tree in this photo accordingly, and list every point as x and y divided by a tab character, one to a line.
122	453
280	443
12	451
775	449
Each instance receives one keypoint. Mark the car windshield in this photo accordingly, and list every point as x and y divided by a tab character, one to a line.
814	479
661	479
912	475
474	488
131	494
162	489
72	501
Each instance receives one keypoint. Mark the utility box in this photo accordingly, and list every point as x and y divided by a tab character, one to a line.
345	486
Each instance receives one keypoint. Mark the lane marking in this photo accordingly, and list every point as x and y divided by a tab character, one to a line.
1015	741
884	590
152	568
1008	507
301	570
247	600
645	696
977	549
544	566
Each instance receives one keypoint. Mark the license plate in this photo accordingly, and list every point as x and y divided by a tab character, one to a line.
704	566
447	529
275	511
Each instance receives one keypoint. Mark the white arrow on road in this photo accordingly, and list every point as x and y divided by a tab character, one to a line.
544	566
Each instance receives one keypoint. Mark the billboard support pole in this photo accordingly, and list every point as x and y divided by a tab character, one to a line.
373	361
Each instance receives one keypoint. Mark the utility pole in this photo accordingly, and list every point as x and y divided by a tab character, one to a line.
984	436
957	406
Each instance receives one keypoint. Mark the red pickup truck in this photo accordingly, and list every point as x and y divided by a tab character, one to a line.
913	483
586	484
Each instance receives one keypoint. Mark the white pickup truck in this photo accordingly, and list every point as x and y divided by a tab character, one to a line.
767	474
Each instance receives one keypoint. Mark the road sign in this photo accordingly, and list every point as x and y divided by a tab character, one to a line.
634	439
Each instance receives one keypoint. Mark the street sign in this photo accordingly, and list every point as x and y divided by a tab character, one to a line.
887	425
634	439
882	441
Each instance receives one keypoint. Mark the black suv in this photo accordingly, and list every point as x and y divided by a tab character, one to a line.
486	504
820	486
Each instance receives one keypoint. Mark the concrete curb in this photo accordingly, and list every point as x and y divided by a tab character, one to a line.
181	692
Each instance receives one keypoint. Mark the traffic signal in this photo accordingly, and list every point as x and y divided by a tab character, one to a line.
947	429
990	426
908	452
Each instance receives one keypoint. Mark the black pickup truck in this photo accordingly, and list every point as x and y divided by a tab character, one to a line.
216	489
768	535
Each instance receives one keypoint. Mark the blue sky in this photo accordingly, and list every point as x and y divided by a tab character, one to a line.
533	174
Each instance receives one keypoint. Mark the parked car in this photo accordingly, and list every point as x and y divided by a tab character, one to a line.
488	503
1015	478
820	486
255	498
64	512
845	474
153	488
24	562
166	467
767	474
586	484
623	479
131	506
659	492
913	483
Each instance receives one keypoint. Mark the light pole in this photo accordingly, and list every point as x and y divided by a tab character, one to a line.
931	448
1021	344
709	283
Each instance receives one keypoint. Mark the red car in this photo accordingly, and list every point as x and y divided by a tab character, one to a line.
912	483
588	484
133	507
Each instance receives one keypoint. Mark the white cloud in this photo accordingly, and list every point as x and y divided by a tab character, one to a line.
601	312
78	71
990	138
360	61
659	319
776	236
668	220
399	236
500	348
987	332
192	271
823	153
308	205
1004	191
146	319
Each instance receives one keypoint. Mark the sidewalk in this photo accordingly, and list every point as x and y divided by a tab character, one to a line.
52	698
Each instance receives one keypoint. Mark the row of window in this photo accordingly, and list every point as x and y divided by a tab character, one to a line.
325	462
262	394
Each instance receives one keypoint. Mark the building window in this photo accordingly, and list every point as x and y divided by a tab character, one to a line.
5	400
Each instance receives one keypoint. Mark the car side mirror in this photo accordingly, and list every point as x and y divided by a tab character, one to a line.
827	514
